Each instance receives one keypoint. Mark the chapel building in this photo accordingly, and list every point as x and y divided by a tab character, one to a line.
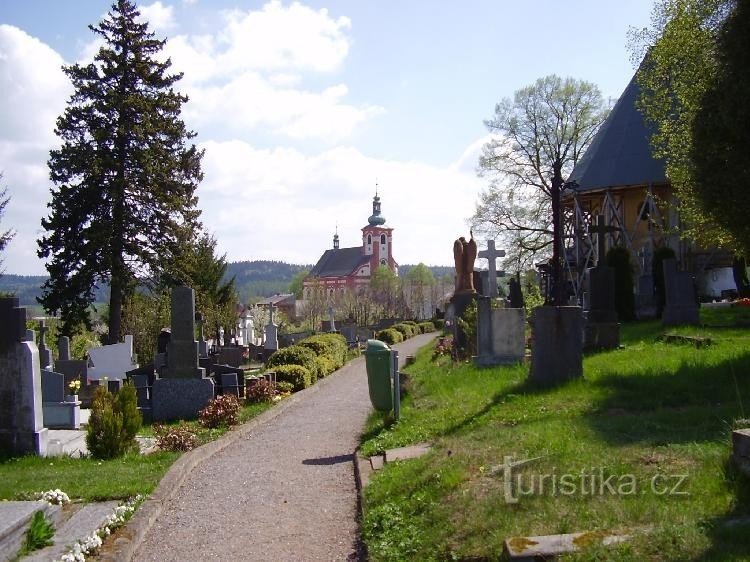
339	269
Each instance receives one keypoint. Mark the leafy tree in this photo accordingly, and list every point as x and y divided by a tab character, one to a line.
679	68
295	286
7	236
538	137
420	281
721	132
384	287
124	178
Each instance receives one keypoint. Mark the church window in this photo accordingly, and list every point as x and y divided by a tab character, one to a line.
369	238
382	238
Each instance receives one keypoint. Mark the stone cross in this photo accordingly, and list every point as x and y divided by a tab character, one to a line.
601	230
491	254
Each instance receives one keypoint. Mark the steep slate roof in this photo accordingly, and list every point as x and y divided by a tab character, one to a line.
620	154
339	263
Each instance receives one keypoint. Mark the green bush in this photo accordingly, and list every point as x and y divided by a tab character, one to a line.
332	345
407	330
325	365
389	336
439	323
295	355
618	258
297	375
222	410
283	387
114	423
426	327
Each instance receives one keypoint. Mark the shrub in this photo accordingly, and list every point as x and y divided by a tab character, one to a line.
298	376
261	391
325	365
407	330
439	323
295	355
284	387
426	327
222	410
179	437
332	345
114	423
389	336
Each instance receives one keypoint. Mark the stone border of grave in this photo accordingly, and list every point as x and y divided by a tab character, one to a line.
130	537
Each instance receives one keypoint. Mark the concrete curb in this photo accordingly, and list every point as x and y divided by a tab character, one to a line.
134	532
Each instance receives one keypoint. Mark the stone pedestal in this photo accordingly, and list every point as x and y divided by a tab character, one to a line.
21	426
557	344
501	336
460	302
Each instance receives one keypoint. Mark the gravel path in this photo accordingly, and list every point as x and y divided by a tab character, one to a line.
285	492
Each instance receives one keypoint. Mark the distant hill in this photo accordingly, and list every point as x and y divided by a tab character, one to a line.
253	280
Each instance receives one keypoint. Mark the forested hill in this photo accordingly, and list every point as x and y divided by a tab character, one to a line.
253	280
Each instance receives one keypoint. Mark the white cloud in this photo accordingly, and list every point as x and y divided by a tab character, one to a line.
159	17
250	74
33	90
282	204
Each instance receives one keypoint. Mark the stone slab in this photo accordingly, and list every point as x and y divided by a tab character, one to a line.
14	519
82	524
557	344
406	453
377	461
180	398
530	549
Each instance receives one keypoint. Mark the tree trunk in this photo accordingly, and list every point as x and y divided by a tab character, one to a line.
558	290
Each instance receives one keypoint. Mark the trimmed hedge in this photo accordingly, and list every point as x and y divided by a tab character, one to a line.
426	327
439	323
298	376
331	345
295	355
325	365
390	336
407	330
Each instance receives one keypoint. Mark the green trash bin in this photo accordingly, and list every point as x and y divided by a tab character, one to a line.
378	361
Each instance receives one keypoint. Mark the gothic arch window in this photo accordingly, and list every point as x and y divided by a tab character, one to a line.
382	238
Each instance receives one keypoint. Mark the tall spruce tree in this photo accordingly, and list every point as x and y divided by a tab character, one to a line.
124	178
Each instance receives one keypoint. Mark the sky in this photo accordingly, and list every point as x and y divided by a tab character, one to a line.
303	107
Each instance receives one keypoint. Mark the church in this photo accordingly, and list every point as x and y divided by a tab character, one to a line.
339	269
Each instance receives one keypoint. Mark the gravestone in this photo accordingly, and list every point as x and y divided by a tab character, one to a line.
21	417
73	369
30	336
601	330
202	343
515	295
501	336
45	354
234	356
681	304
645	295
57	412
112	361
556	345
182	389
271	343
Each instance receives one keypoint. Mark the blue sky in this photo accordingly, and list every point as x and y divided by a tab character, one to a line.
301	106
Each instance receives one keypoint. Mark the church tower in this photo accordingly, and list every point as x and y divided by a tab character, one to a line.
377	239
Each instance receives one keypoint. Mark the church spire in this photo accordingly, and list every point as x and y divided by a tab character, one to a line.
376	219
336	238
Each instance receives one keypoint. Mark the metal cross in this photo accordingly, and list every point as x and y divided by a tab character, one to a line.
491	254
601	230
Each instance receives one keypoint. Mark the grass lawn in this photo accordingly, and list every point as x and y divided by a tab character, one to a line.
94	480
641	442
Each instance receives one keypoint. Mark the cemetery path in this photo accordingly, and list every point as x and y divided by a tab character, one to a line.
284	491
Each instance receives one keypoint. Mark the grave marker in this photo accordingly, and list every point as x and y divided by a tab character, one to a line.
491	255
